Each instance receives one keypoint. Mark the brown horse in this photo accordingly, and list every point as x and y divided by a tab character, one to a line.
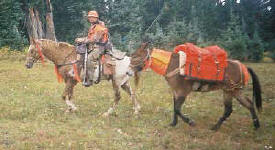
63	55
232	86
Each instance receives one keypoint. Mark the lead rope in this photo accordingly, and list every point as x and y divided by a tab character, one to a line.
147	65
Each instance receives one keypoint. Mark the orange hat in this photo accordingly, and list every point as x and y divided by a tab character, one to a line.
93	14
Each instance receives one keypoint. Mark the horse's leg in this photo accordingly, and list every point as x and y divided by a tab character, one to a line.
175	115
117	98
227	109
68	93
247	103
126	87
178	101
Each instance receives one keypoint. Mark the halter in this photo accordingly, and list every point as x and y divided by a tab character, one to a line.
75	69
146	59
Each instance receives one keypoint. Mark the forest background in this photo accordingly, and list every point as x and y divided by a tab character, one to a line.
245	28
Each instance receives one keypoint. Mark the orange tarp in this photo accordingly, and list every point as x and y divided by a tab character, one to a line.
159	61
207	63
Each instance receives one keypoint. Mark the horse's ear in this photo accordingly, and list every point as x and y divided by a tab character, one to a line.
32	41
147	39
37	41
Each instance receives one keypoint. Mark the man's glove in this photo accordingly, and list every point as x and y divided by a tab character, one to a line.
82	40
78	40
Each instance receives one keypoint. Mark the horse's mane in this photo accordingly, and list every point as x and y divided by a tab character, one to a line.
59	49
51	44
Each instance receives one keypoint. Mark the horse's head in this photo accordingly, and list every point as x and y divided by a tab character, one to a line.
32	55
140	57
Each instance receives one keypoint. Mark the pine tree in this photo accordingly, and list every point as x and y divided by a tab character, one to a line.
11	17
256	47
233	39
176	33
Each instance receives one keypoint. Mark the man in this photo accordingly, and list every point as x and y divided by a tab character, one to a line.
98	43
97	26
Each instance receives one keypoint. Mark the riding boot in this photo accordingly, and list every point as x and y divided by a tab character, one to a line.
87	76
87	83
94	57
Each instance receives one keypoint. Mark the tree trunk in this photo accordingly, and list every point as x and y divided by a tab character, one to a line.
29	27
50	31
34	25
40	30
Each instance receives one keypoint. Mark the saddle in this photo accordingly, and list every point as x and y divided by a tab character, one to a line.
81	48
207	63
107	63
116	54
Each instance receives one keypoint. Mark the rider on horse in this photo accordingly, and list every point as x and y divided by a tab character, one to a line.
97	43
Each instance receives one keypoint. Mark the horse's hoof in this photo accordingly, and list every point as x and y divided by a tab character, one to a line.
136	112
173	124
215	128
106	114
87	84
192	124
256	124
74	109
69	110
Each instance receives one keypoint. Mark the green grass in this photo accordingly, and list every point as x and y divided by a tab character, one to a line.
32	115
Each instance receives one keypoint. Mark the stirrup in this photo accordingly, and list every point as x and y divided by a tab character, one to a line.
87	84
97	81
71	73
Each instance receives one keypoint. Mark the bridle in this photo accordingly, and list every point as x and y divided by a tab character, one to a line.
39	52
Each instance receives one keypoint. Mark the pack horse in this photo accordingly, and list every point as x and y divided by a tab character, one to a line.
190	68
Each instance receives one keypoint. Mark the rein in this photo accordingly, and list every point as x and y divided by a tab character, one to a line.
74	64
67	64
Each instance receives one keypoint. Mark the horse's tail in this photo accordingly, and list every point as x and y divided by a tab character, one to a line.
257	97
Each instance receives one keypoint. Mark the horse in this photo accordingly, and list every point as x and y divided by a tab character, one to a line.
231	86
64	56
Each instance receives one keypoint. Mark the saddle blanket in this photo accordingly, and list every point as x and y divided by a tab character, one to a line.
206	63
108	64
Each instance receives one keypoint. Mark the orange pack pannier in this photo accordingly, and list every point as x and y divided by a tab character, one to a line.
207	63
159	61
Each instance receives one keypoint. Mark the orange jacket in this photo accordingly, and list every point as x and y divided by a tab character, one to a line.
98	33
